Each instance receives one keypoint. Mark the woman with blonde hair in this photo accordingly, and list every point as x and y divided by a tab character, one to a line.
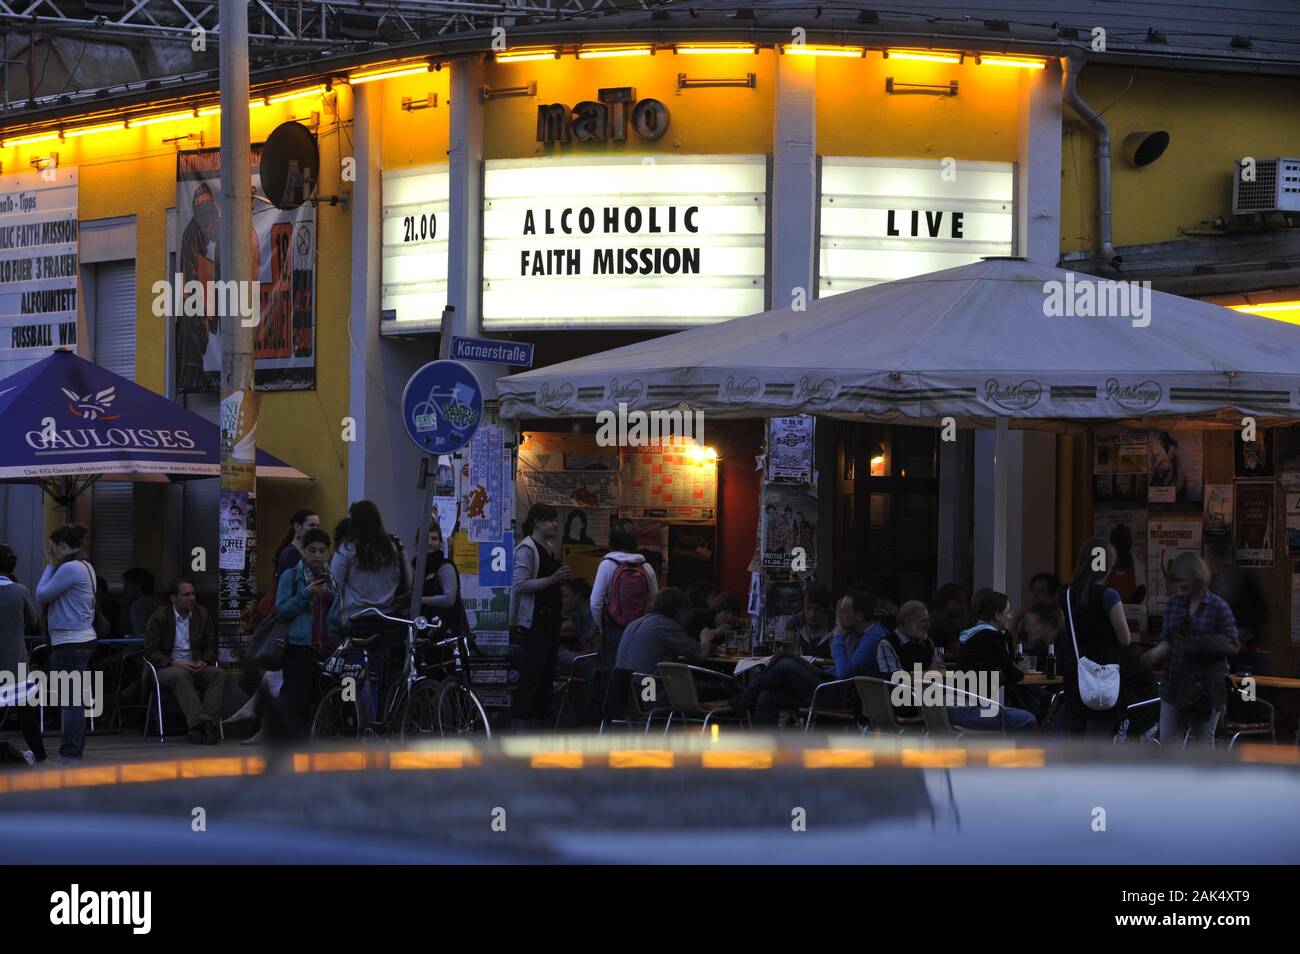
1199	635
1094	619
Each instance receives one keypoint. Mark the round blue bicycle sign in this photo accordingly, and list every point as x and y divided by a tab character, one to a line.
442	406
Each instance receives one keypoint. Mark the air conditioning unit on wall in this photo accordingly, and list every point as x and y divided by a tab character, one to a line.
1261	186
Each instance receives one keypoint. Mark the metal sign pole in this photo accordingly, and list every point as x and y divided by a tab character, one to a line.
427	483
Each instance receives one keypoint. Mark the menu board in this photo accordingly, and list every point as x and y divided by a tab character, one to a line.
665	482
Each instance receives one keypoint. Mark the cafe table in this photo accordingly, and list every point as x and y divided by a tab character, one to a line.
1035	678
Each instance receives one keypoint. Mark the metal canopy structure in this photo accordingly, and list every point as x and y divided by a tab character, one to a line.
310	24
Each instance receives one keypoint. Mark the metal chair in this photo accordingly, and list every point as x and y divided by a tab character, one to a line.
684	700
567	682
635	708
155	700
935	718
879	707
1249	717
813	711
1121	730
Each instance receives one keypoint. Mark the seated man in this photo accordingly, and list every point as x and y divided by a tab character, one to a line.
659	637
181	643
789	683
906	647
812	626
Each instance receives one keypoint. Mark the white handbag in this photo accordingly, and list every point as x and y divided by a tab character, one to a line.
1098	684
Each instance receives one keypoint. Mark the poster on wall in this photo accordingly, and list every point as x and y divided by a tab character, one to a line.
1254	525
1251	459
585	526
1127	532
790	448
1218	513
692	548
1119	469
284	266
1166	538
486	485
1174	467
568	488
233	529
39	266
789	520
1293	523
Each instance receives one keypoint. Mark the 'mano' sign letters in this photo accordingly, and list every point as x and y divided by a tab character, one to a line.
603	121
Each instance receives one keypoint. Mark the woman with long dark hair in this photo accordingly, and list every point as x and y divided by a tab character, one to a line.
290	549
67	589
370	568
536	604
1095	614
440	595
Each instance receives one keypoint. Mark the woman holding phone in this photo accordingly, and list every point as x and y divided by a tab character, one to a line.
303	600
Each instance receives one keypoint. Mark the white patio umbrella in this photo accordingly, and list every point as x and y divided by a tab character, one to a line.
985	344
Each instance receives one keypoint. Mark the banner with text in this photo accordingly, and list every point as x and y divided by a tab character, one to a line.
38	266
623	242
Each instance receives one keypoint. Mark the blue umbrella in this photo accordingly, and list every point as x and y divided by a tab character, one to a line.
66	417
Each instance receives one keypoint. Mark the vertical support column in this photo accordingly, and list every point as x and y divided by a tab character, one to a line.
465	250
794	180
367	211
1038	158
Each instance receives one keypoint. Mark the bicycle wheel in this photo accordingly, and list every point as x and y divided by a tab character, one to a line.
335	717
419	715
459	712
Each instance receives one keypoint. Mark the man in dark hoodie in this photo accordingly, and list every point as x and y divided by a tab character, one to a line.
984	650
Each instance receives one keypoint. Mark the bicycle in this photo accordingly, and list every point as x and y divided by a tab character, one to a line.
416	702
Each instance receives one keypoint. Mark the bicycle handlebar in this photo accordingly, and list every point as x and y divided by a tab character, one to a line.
420	623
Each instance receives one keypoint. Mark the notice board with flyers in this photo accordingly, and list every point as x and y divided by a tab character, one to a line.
659	487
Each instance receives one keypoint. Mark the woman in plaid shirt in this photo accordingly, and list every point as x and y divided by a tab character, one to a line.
1198	637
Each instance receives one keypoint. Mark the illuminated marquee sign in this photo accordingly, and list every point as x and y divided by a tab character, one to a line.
884	219
414	283
619	242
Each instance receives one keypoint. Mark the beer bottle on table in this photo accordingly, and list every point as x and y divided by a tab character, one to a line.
1050	666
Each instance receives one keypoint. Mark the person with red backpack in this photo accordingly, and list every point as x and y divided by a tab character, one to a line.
624	588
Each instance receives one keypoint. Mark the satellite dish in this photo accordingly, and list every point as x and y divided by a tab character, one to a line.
290	165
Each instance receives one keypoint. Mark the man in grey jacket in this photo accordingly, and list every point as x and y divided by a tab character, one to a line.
659	637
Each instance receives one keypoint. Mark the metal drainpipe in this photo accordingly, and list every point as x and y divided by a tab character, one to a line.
1073	66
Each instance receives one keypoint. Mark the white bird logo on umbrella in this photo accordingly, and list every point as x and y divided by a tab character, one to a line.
94	405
